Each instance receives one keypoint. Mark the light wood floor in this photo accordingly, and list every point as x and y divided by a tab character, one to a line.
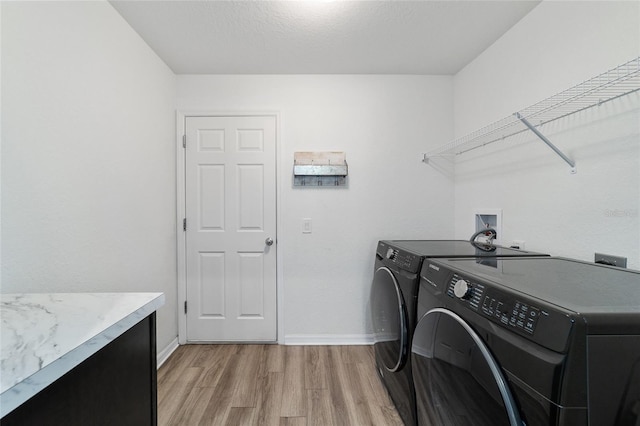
272	385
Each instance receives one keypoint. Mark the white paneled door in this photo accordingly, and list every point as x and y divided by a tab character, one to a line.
230	180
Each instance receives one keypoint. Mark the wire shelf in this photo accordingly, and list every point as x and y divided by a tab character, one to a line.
620	81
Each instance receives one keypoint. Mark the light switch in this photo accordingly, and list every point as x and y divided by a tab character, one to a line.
306	226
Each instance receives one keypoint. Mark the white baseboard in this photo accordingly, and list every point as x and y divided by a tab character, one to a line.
164	354
328	339
292	339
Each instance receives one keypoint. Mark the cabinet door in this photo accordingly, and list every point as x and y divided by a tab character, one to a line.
115	386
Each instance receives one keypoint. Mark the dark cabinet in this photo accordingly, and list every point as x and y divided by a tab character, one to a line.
115	386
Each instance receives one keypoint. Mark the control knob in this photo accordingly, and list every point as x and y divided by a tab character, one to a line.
462	289
392	254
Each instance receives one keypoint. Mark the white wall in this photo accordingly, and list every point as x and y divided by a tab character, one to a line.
88	173
556	46
383	123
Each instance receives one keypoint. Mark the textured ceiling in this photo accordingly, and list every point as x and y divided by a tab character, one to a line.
320	37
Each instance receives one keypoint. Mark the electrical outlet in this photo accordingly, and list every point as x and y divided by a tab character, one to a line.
608	259
517	244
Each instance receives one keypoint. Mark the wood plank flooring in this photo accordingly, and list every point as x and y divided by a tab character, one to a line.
272	385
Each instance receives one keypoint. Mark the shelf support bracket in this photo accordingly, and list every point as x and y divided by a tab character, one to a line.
544	139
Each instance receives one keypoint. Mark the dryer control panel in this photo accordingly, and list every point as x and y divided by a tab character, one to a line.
477	297
464	289
511	311
499	307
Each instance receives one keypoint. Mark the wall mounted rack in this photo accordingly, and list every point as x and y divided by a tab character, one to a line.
617	82
319	168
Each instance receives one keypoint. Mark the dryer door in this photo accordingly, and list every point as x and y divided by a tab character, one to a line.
457	380
389	316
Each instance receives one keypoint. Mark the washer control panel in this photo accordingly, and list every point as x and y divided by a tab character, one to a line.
499	307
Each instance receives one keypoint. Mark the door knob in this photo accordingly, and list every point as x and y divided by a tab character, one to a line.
269	241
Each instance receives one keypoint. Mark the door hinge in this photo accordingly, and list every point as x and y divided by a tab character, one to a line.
185	306
184	141
184	224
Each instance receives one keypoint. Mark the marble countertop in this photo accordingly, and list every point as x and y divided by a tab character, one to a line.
43	336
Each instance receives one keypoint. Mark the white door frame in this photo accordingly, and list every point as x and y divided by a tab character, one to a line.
181	213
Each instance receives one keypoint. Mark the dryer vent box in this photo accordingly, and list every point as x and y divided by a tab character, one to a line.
327	168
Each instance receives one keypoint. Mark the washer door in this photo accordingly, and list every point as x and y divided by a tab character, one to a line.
457	380
389	316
